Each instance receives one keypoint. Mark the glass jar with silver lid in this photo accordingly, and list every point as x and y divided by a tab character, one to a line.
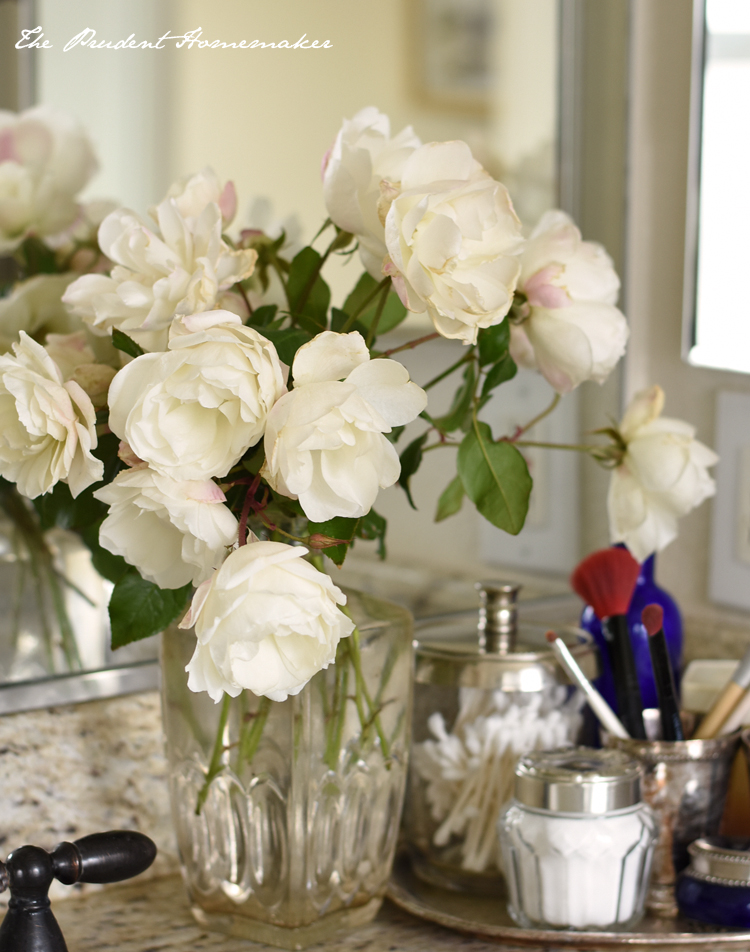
488	690
577	841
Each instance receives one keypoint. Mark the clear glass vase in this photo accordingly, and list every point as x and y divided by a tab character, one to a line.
287	813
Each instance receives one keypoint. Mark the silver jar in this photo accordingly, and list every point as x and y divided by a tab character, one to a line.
577	841
487	691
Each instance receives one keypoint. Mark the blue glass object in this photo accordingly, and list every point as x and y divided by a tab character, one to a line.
647	592
716	903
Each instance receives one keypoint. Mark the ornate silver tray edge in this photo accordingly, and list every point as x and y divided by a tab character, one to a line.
406	892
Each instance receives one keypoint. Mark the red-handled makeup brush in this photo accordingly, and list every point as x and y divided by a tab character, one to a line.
652	617
606	580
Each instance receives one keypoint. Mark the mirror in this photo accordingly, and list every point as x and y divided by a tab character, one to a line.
717	331
504	75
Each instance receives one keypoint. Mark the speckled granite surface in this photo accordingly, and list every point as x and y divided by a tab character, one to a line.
154	917
69	771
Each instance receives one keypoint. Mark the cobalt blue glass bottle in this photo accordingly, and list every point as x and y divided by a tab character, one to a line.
715	888
647	592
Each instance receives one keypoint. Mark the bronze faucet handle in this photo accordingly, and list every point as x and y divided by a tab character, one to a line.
29	925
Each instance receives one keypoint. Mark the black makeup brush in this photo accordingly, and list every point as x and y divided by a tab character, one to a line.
669	708
606	580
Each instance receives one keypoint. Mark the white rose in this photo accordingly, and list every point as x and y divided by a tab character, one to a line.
662	476
47	426
180	268
571	330
267	621
361	157
192	193
35	306
45	160
453	238
172	532
324	439
193	411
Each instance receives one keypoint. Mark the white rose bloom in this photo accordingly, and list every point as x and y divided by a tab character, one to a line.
172	532
267	622
193	411
572	330
453	239
35	306
45	160
324	439
663	475
192	193
181	267
47	426
361	157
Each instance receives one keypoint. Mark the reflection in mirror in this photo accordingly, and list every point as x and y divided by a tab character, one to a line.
716	319
485	71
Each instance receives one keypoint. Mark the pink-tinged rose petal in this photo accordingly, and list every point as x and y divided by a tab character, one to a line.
541	293
201	594
8	152
324	161
228	202
202	490
129	458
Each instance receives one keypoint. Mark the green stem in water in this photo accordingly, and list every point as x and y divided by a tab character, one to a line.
249	743
216	766
361	692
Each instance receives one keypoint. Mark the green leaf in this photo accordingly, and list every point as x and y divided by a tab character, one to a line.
139	609
461	405
39	257
410	460
308	294
494	342
337	528
496	478
262	316
287	342
126	344
373	526
395	435
451	499
504	369
393	313
339	320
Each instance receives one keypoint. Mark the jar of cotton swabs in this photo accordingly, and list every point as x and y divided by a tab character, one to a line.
577	841
487	691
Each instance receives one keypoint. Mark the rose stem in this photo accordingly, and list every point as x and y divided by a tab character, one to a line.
536	419
249	743
216	766
365	304
378	314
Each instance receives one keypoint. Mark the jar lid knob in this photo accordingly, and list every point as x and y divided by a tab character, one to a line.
498	616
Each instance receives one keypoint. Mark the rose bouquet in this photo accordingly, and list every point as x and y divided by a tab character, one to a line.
193	406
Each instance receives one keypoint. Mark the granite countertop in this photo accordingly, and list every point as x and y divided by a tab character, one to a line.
153	916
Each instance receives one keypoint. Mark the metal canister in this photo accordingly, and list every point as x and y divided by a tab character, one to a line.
488	690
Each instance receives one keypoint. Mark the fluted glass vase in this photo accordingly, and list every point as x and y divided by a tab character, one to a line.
287	812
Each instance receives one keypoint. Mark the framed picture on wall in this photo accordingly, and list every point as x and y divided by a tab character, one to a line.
450	53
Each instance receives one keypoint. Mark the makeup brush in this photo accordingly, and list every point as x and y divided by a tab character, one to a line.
606	580
652	617
727	701
606	716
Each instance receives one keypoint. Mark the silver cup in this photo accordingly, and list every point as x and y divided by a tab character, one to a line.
685	783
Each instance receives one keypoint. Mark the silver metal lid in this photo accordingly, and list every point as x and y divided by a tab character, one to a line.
578	780
720	859
495	652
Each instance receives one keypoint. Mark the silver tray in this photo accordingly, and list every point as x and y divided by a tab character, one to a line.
487	917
